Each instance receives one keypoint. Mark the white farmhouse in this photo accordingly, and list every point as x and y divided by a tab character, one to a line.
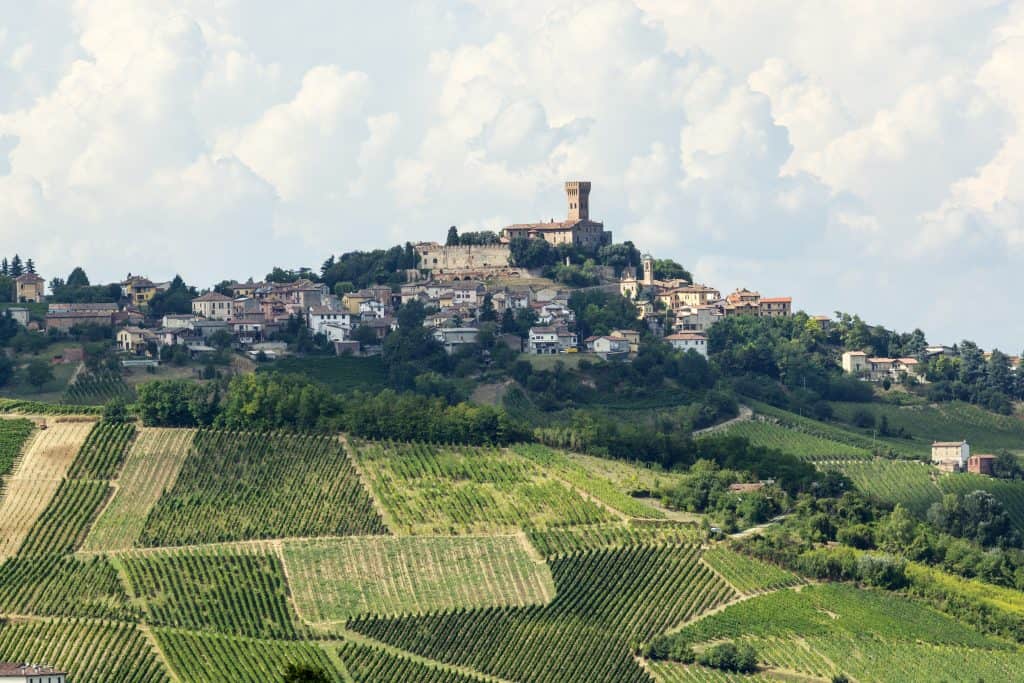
335	324
687	341
951	456
30	673
551	340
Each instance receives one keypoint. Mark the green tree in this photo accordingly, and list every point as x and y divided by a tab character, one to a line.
38	372
666	269
487	312
453	237
6	369
115	411
303	673
16	269
30	266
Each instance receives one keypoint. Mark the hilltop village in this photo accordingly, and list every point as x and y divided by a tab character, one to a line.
470	280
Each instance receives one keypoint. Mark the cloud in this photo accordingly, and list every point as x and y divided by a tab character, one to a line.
151	136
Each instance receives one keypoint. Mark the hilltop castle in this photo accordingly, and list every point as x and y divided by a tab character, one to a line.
577	229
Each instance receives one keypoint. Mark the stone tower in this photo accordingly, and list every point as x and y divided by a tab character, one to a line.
648	262
578	194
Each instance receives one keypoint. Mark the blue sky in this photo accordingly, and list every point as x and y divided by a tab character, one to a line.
862	156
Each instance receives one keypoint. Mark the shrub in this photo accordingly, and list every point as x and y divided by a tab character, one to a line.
741	658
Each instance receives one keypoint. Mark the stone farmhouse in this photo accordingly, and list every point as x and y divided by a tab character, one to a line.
951	456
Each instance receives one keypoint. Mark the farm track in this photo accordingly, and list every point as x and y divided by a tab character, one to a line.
746	414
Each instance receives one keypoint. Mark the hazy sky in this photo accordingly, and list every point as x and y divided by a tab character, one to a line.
860	155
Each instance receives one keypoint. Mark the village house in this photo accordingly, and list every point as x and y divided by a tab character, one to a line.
687	341
244	289
551	340
246	306
775	307
212	306
29	288
630	286
855	363
608	347
135	340
696	318
631	336
577	229
140	290
468	293
950	456
175	321
454	339
335	324
30	673
373	309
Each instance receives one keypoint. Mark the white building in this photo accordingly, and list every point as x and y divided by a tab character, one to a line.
19	315
335	324
30	673
687	341
550	340
855	362
951	456
610	347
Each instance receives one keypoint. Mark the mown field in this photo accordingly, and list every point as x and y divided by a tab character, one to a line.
158	555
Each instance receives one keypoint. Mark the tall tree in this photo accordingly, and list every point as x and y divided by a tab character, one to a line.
16	268
487	312
30	266
453	237
78	278
5	267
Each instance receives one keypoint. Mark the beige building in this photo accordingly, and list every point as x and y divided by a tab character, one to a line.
775	307
855	363
951	456
577	229
29	288
213	306
134	339
22	672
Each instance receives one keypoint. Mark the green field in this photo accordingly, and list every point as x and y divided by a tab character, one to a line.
794	441
97	388
429	489
870	635
237	486
746	574
340	373
333	580
984	430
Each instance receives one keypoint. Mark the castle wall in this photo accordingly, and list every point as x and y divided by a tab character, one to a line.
437	257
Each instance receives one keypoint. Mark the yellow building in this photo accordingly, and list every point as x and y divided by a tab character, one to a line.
138	290
29	288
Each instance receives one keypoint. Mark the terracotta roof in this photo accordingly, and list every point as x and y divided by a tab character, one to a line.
211	296
777	300
686	336
946	444
19	669
29	277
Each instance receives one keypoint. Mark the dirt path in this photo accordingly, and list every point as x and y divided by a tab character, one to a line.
746	414
759	527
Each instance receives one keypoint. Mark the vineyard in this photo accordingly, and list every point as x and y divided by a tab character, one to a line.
874	636
13	435
243	485
340	373
554	542
103	452
795	442
213	658
36	479
671	672
233	593
366	664
90	651
63	525
746	574
430	489
986	431
578	476
151	467
96	388
14	406
336	579
64	587
912	484
604	600
1009	493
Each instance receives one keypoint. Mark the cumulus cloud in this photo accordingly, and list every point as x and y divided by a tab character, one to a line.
726	135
